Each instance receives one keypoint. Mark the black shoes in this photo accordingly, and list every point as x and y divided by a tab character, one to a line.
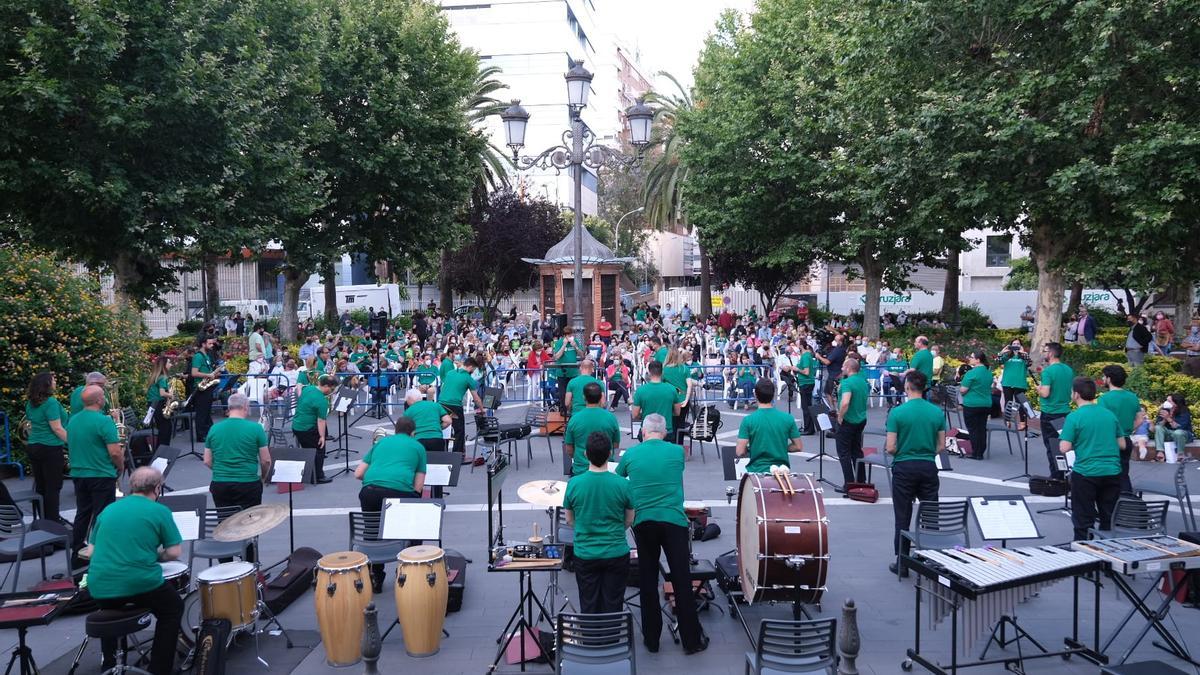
894	569
652	648
323	480
701	646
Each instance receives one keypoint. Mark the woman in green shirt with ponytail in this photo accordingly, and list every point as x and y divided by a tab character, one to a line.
976	388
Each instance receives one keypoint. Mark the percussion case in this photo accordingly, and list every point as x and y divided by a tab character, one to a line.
1047	487
456	575
211	643
862	492
292	580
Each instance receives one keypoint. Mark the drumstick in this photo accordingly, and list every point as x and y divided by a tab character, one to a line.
1001	552
975	555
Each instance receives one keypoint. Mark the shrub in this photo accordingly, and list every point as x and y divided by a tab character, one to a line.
360	317
403	322
971	317
53	320
190	327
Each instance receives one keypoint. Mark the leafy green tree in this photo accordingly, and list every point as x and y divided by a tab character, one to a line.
1022	275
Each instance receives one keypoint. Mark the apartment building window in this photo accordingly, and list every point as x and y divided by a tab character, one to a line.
998	250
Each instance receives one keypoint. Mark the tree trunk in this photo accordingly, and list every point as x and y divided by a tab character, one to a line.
125	278
1051	284
705	285
289	319
1184	302
420	294
329	279
950	296
1076	298
212	289
873	276
446	299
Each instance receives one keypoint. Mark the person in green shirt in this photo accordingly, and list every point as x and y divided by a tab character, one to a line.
1125	405
308	424
976	390
806	381
1054	397
1095	435
203	370
158	395
566	355
131	537
394	468
852	422
677	374
430	419
592	419
426	374
96	460
1014	378
656	397
237	452
922	360
76	399
455	386
44	445
573	399
660	350
655	471
916	431
599	507
767	434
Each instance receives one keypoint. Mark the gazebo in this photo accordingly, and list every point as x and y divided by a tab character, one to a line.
556	279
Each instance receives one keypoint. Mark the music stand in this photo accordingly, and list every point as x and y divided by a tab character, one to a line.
1004	517
343	401
411	519
825	422
284	471
732	465
435	480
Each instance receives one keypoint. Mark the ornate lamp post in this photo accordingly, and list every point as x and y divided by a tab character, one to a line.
578	149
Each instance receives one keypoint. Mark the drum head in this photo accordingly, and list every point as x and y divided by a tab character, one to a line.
226	571
345	560
420	554
173	568
749	547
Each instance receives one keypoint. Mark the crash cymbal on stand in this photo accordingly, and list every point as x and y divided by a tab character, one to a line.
543	492
251	522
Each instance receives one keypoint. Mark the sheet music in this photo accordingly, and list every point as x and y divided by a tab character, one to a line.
612	467
824	422
160	464
739	467
288	471
188	523
343	405
437	474
411	520
1004	518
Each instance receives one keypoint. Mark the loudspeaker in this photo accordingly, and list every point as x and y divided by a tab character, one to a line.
560	321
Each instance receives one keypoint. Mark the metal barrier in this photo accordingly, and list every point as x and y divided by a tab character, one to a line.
6	457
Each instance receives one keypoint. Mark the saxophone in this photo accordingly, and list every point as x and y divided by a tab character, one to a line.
178	395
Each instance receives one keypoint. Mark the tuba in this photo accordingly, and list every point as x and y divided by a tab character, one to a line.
115	411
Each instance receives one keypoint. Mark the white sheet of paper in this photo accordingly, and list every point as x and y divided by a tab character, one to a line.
343	404
411	520
739	467
824	422
1003	518
937	460
188	523
612	467
160	464
437	474
288	471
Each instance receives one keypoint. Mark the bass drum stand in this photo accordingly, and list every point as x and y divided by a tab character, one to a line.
731	586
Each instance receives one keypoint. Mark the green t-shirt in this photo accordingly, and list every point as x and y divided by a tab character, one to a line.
598	500
655	472
427	415
446	368
916	423
202	362
807	360
311	406
39	421
127	535
1125	405
770	432
394	462
575	389
152	392
1059	377
88	436
455	385
234	443
658	397
1092	431
660	354
568	359
677	376
581	425
978	382
76	401
1015	373
747	375
923	361
427	374
855	385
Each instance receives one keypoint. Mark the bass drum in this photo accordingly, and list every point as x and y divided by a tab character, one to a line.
783	539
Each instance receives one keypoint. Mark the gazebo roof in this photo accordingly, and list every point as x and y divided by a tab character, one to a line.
594	253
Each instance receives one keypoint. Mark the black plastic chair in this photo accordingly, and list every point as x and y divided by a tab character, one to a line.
794	647
17	540
1133	517
940	524
1177	489
596	644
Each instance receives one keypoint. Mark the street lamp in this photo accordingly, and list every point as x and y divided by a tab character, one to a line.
578	150
617	230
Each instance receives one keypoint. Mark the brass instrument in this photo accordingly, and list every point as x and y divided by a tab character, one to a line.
22	430
209	383
115	411
177	400
381	433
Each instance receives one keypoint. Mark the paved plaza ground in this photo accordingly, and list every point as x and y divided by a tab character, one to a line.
860	548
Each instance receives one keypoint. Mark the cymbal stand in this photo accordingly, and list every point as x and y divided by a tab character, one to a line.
272	618
553	590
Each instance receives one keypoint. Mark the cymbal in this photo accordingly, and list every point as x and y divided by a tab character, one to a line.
250	522
543	492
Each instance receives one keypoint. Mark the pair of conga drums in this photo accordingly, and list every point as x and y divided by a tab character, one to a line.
344	591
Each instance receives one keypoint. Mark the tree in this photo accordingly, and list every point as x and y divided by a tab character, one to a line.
507	229
753	269
1022	275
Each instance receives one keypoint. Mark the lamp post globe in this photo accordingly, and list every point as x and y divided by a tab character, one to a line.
579	85
641	118
515	120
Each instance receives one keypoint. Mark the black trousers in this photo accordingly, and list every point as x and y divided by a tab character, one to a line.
458	424
619	390
806	401
601	584
46	464
653	539
309	439
1126	484
1011	394
915	479
433	444
167	607
165	427
91	496
370	498
202	402
1050	438
242	495
976	420
849	439
562	383
1092	497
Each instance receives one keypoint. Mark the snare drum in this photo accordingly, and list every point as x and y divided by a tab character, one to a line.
697	512
230	591
783	539
343	591
178	575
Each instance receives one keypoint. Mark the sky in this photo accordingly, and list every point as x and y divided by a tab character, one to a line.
670	33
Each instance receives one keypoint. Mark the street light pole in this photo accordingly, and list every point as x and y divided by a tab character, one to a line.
577	233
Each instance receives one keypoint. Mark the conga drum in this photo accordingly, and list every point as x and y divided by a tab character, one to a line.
421	594
230	591
343	591
783	539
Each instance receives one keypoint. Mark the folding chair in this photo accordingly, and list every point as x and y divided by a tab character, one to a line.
794	647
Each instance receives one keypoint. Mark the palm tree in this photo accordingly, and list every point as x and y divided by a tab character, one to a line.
663	190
